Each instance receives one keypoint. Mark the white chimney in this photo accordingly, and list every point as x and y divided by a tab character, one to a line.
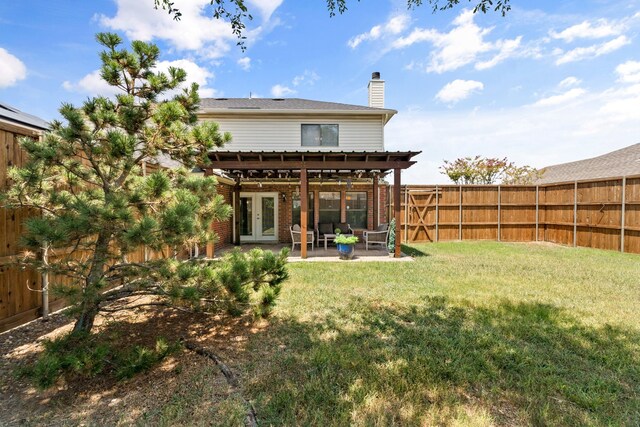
376	91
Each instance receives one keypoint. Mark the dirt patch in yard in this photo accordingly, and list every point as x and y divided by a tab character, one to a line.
184	389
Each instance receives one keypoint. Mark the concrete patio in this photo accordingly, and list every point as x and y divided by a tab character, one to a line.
319	254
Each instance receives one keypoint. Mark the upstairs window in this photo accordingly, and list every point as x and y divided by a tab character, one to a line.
319	135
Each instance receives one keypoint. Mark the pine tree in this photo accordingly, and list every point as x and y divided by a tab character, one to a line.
86	179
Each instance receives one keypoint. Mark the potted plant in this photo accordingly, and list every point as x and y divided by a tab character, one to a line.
346	245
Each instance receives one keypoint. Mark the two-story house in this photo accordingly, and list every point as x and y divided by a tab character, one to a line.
297	161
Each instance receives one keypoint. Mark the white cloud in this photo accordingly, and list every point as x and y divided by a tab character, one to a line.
458	90
265	7
562	98
279	91
244	63
593	51
92	83
463	45
12	69
195	30
629	72
592	124
395	25
569	82
507	48
586	30
308	77
195	74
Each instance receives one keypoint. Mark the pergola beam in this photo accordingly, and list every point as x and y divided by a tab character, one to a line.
309	165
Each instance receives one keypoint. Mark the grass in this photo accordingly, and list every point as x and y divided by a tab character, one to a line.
468	334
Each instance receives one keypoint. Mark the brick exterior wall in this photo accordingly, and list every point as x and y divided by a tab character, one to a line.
225	229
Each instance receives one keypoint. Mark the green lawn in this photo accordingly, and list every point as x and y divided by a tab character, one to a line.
468	334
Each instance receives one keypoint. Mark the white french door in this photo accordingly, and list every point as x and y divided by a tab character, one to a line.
258	217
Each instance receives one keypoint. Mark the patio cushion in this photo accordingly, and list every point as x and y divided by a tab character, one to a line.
343	226
382	227
325	228
296	227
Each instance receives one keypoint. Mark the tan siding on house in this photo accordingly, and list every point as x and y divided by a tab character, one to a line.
376	94
284	133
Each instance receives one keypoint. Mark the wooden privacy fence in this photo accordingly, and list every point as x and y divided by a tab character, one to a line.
602	214
20	289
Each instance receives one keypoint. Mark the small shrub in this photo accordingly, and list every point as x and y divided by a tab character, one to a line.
140	359
83	355
341	239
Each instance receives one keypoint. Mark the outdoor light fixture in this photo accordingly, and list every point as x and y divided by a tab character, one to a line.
284	197
348	183
297	191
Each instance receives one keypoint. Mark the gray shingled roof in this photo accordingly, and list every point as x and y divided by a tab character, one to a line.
293	104
12	114
623	162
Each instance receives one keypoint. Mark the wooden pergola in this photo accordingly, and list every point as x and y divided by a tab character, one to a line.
275	164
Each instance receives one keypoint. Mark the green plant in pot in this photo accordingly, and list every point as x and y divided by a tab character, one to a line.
346	245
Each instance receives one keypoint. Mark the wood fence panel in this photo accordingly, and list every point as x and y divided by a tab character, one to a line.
517	213
599	207
593	209
449	212
421	213
559	213
18	304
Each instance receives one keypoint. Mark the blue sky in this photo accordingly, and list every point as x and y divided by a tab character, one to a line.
553	81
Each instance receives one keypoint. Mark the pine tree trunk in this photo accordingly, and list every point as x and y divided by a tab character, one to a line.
90	304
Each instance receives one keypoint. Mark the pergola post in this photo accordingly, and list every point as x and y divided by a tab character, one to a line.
304	212
396	207
376	202
236	211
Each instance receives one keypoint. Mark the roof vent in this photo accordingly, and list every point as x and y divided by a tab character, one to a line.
375	75
222	99
277	99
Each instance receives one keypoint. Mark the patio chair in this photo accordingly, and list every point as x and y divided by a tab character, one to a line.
296	236
379	236
329	228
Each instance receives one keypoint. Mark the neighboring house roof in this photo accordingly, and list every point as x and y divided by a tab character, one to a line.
13	115
623	162
285	106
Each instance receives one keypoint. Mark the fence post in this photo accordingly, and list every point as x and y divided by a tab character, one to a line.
499	201
575	213
437	237
537	212
460	213
622	212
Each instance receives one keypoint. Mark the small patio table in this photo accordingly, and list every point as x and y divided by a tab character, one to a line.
328	236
